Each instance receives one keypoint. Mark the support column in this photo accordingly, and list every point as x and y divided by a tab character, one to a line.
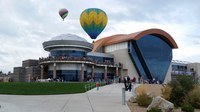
42	71
117	71
29	77
82	72
54	71
105	73
92	71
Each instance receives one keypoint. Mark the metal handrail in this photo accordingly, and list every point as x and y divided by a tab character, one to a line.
90	86
93	85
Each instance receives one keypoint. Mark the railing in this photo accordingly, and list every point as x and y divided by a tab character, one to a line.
89	86
93	85
66	58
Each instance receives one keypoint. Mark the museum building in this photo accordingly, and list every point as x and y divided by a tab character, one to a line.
146	54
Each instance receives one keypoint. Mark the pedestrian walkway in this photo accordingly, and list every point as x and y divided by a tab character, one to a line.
106	99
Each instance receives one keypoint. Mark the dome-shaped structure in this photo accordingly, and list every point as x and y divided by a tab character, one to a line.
67	41
69	37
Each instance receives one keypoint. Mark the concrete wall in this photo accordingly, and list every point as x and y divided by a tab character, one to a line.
118	46
122	56
168	77
29	63
32	73
196	67
19	74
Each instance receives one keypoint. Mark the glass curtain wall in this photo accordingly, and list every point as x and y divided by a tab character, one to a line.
152	56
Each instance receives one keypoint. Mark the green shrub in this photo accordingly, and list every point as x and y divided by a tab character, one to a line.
143	100
154	110
194	97
180	88
187	107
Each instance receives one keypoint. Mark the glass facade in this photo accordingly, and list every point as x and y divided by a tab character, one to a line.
135	58
98	76
152	56
67	75
67	53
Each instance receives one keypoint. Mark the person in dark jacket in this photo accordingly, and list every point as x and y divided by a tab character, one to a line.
129	86
125	84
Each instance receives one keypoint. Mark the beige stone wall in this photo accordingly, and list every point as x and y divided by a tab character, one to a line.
122	56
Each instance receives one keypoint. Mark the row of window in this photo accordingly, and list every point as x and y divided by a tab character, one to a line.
75	75
67	53
179	68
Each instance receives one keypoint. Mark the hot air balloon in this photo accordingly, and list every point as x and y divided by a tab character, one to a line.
63	13
93	21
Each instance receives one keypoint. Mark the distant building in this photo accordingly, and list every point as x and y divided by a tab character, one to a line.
30	63
185	68
6	77
19	74
29	71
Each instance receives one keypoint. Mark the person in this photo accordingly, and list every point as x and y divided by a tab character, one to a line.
134	79
97	85
141	80
129	86
153	81
128	79
125	85
119	80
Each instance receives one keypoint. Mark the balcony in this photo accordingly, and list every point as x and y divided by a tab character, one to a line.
84	60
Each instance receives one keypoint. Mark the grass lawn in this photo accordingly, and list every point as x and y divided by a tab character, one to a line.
23	88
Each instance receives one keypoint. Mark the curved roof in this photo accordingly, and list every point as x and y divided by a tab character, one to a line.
134	36
68	37
67	41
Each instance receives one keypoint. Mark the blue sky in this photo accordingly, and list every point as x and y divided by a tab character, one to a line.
26	24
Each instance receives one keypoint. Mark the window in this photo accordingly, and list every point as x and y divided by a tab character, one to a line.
68	53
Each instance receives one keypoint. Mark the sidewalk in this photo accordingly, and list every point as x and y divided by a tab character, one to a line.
107	99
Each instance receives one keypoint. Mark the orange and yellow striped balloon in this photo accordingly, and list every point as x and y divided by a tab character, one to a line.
93	21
